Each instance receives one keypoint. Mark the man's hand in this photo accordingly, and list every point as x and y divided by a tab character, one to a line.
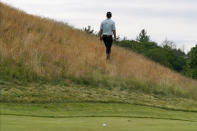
114	39
114	32
101	38
100	34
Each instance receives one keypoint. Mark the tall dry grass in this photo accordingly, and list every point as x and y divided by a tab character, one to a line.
52	49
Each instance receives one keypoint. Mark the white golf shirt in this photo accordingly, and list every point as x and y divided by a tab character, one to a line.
107	26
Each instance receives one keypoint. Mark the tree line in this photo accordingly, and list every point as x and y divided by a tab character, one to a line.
166	54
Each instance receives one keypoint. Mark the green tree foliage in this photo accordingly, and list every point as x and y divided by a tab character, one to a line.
159	55
191	68
166	55
168	44
88	30
143	37
193	57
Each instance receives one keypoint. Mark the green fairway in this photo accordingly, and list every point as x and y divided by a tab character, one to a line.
26	123
92	116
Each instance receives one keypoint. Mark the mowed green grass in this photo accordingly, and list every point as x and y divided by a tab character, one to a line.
92	116
26	123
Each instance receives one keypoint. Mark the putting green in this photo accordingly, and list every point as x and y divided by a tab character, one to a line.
28	123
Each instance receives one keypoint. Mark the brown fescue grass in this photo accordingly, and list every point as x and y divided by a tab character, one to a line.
52	49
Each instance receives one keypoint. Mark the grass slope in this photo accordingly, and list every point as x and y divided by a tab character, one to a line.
37	50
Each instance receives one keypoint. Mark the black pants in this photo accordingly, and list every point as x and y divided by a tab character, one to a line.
108	40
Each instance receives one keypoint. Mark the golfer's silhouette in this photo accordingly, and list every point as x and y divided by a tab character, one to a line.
107	30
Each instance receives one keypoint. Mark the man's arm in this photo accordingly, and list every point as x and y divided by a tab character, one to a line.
100	33
114	32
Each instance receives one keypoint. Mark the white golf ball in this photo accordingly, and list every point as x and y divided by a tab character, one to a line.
104	124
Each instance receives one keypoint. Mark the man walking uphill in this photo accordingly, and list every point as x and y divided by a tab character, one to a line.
107	30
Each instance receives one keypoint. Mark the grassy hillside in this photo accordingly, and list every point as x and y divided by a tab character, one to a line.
46	61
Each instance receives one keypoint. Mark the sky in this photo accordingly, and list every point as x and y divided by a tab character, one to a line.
175	20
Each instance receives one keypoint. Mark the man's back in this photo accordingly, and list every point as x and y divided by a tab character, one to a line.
108	26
